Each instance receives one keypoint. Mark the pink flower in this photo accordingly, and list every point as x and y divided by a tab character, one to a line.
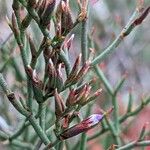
83	126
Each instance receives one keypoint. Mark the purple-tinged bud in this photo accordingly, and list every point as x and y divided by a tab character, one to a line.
55	77
52	75
37	84
71	98
76	75
68	43
74	70
66	18
59	104
91	82
33	51
76	65
59	80
83	70
63	16
83	95
47	14
83	126
33	75
93	97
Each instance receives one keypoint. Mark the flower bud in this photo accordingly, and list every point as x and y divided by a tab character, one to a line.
59	104
93	97
77	75
37	84
83	126
47	14
55	77
74	70
68	43
71	98
33	51
66	18
63	17
59	79
83	94
52	77
83	70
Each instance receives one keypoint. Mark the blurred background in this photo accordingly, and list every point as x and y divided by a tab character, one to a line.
131	58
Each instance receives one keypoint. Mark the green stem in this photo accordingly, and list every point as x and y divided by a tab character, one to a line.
42	115
102	77
22	145
113	131
84	42
83	141
4	137
51	145
38	130
127	29
135	144
18	132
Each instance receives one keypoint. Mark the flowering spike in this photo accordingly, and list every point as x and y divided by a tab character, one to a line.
83	126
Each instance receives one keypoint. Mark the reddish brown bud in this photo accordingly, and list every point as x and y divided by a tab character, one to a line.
59	80
52	77
59	104
63	15
55	77
83	70
71	98
47	14
93	97
37	84
83	95
143	15
68	43
74	70
32	49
